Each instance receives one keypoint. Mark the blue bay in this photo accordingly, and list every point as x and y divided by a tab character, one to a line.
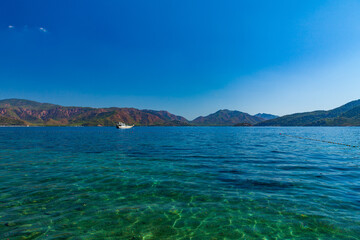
179	183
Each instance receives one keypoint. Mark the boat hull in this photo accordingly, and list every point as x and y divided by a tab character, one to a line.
123	127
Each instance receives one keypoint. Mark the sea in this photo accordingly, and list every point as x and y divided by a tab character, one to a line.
180	183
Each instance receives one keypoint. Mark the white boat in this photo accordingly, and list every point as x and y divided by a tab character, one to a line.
123	125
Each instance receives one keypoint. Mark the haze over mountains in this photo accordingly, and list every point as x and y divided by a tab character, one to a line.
26	112
266	116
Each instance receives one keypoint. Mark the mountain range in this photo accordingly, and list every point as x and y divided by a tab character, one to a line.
227	118
26	112
346	115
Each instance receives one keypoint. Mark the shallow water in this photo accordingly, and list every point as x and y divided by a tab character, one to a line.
179	183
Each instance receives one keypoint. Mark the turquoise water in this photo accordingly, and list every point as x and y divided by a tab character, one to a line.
179	183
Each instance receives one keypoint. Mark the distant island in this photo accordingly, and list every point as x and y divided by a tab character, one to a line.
15	112
21	112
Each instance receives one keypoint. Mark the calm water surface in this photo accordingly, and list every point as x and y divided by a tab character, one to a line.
179	183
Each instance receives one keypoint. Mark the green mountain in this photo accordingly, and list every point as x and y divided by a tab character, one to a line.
227	118
10	121
25	112
346	115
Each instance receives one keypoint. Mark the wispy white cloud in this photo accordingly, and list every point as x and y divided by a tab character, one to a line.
42	29
27	29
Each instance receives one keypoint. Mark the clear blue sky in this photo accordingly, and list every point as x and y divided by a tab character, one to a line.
188	57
